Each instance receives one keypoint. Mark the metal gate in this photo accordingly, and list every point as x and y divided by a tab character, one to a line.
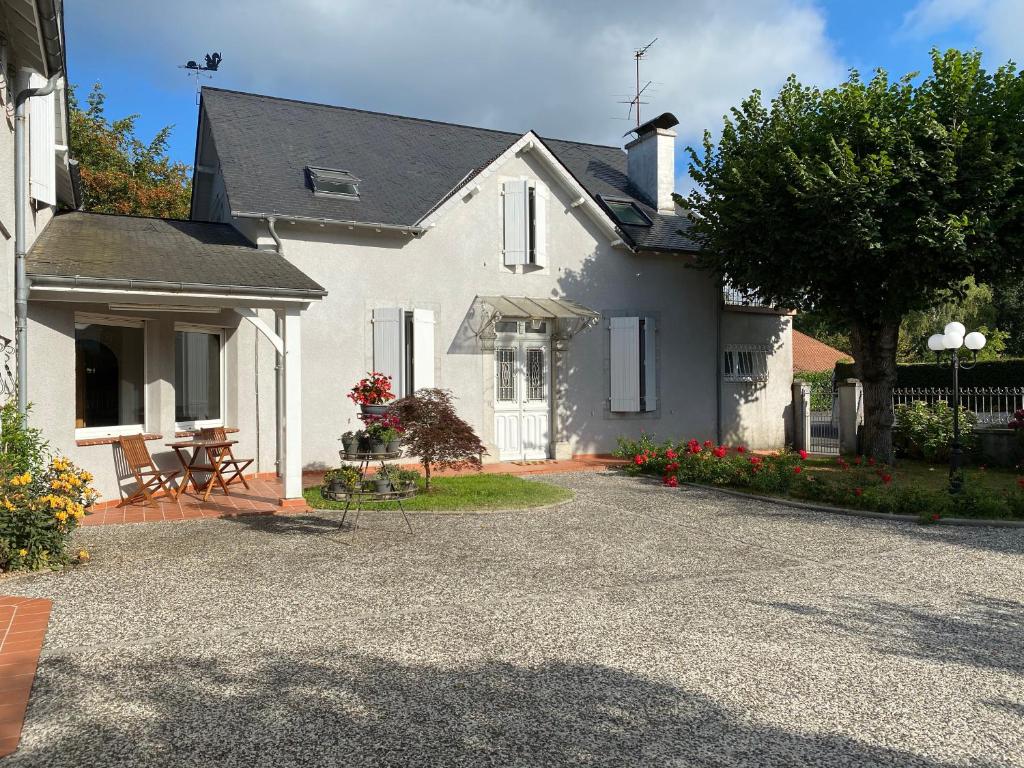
824	417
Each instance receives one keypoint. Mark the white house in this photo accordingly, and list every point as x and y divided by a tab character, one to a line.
548	283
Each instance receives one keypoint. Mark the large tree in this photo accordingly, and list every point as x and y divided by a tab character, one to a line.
121	173
868	201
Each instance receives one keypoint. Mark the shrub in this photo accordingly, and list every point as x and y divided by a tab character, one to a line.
435	433
41	498
924	431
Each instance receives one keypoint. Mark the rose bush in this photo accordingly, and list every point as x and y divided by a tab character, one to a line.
860	483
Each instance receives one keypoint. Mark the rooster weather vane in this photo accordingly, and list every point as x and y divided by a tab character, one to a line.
213	61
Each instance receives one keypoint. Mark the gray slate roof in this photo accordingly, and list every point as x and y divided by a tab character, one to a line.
407	165
189	254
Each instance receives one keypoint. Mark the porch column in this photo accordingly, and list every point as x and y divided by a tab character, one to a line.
560	446
291	472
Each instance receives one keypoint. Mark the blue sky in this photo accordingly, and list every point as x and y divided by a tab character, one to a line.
519	64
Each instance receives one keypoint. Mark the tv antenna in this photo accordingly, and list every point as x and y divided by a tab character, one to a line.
213	61
636	101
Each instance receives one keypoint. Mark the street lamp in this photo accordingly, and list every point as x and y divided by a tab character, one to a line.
951	340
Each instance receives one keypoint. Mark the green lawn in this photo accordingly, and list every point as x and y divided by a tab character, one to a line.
932	476
465	493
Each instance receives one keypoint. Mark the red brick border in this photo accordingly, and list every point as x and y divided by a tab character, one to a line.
23	623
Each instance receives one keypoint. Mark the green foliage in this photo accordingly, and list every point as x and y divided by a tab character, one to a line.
972	305
858	484
924	431
120	172
348	476
824	328
1007	372
42	498
867	201
821	388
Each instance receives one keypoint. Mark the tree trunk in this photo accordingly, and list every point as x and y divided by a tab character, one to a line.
874	350
426	475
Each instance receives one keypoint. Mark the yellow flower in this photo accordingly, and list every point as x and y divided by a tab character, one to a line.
24	479
23	552
83	555
61	516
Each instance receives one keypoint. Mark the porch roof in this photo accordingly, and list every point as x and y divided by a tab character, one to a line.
521	307
94	251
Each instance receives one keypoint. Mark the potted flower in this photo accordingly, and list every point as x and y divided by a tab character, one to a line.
372	393
378	435
349	442
404	479
341	480
383	480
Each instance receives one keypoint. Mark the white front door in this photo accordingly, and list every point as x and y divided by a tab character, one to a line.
522	406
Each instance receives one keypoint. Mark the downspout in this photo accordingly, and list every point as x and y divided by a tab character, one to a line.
278	364
718	363
21	284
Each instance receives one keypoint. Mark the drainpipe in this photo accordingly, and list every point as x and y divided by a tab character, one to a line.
278	363
20	211
718	363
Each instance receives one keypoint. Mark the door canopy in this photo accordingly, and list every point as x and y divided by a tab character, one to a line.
568	317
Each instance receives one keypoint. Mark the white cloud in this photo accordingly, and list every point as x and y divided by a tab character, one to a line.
997	24
558	68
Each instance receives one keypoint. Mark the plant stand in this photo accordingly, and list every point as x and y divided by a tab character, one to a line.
362	494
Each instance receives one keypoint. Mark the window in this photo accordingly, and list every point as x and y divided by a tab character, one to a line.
110	377
403	347
535	373
198	377
633	358
745	363
505	372
524	210
333	183
627	212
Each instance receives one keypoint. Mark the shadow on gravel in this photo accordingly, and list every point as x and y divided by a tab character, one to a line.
356	710
984	632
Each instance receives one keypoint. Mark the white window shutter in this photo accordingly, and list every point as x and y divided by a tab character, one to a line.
516	223
42	142
388	345
540	224
625	364
650	366
422	349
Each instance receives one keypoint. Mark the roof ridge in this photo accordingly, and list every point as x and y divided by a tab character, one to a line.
404	117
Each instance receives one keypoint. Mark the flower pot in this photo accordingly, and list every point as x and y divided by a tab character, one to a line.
394	446
336	486
350	444
373	410
383	485
377	447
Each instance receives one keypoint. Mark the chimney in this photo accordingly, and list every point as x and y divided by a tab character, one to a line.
651	161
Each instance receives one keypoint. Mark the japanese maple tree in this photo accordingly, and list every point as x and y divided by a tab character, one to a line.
867	201
435	433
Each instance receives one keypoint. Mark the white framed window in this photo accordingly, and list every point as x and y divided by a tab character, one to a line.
634	362
524	224
403	347
199	381
110	376
745	363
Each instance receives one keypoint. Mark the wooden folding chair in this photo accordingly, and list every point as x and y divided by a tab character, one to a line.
151	483
231	468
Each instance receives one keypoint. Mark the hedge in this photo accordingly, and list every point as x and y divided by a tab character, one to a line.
991	373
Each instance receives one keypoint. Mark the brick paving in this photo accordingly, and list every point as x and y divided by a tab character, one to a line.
23	623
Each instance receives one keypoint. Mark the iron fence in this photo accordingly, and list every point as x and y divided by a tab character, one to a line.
991	405
824	420
734	297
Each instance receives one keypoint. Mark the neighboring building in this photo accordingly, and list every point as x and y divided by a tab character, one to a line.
547	283
813	356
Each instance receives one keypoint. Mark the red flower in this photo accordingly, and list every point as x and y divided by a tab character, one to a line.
756	460
803	453
375	389
639	459
670	454
886	478
741	449
871	461
671	481
858	492
693	446
720	452
857	461
798	469
1020	482
935	517
672	466
709	444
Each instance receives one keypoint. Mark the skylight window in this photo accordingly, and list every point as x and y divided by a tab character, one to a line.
333	183
627	213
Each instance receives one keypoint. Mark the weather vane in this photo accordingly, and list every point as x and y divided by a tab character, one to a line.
213	61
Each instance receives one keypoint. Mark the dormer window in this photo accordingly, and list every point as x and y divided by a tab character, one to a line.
330	182
626	212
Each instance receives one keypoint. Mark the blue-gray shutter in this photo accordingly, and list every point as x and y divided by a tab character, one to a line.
650	366
516	223
625	364
388	345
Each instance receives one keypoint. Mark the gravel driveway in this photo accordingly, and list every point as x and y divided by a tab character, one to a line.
636	625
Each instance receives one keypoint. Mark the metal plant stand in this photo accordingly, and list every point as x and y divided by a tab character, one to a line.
365	491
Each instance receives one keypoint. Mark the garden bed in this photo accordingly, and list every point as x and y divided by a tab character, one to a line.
908	488
465	493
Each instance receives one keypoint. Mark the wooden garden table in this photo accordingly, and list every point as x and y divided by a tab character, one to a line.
215	450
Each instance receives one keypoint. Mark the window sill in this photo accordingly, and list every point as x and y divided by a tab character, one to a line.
112	439
193	432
